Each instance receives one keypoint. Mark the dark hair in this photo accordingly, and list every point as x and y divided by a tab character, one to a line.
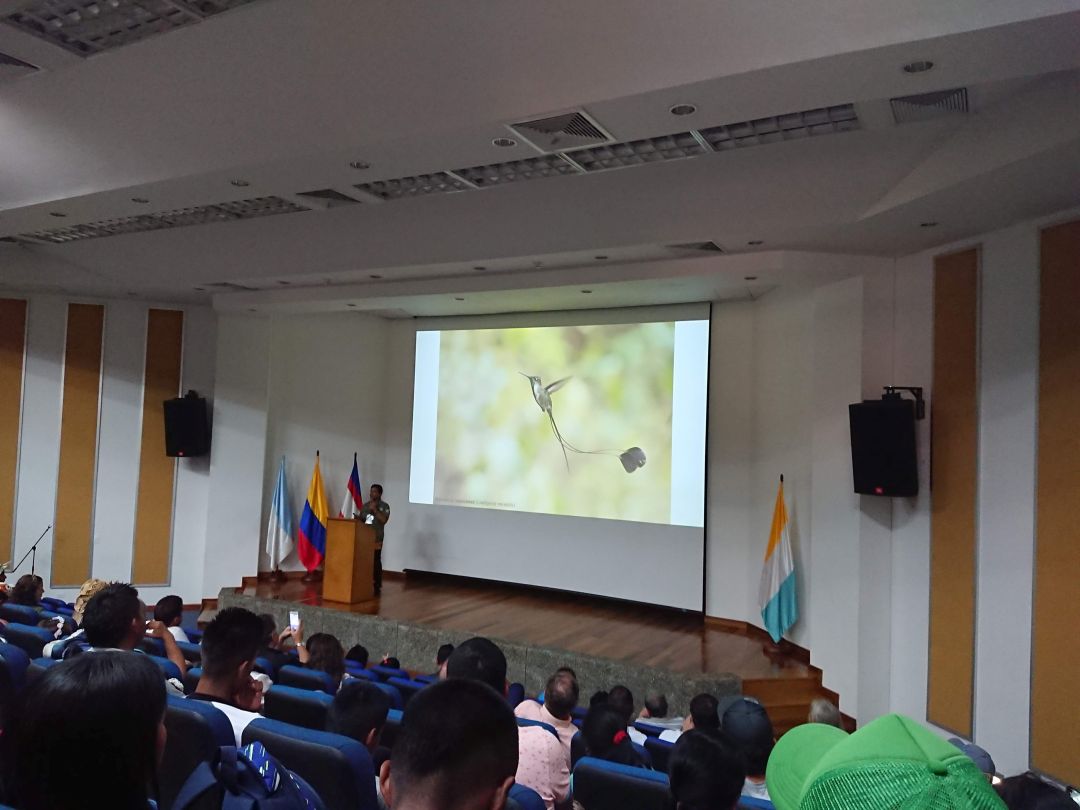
443	653
229	641
605	736
705	771
598	697
169	609
456	733
704	709
478	659
622	700
269	626
391	662
359	654
378	487
109	614
358	708
656	704
326	654
25	591
561	694
100	713
1027	791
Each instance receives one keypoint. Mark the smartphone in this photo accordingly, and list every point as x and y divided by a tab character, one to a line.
294	619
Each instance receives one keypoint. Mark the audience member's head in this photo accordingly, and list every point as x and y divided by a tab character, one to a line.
621	700
890	762
114	618
103	715
704	714
359	711
825	711
359	654
655	705
28	590
326	654
1028	792
561	694
443	653
86	592
457	748
169	610
598	697
605	735
747	724
478	659
980	756
269	625
705	771
390	662
230	644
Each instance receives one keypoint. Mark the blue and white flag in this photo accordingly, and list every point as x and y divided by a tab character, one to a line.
776	594
279	531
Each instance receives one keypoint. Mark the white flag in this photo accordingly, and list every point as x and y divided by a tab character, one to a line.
279	531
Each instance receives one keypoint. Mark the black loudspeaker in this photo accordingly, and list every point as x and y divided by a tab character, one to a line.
883	454
187	431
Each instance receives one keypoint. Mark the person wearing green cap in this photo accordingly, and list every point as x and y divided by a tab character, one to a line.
891	762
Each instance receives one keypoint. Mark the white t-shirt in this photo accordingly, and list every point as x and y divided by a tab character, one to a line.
179	634
755	790
635	735
239	718
671	735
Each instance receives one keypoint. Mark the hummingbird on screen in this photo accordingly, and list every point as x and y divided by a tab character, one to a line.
631	459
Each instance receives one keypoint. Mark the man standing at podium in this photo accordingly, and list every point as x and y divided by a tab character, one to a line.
375	513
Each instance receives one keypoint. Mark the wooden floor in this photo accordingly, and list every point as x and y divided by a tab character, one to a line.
671	639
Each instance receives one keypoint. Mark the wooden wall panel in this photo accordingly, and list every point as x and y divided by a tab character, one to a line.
12	353
954	481
1055	709
157	472
73	527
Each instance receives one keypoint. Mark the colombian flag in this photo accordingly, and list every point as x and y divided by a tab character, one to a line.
776	594
312	532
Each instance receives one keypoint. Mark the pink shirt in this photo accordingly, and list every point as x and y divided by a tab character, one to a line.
531	710
543	765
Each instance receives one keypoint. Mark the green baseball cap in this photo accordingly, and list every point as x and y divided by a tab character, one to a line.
892	762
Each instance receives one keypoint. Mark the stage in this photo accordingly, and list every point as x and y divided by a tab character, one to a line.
637	640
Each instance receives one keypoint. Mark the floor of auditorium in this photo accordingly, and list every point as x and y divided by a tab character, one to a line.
644	634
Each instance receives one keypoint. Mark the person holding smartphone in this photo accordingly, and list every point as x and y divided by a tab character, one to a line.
376	513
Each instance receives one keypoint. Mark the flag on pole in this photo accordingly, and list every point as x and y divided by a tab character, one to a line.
312	533
776	594
279	531
354	498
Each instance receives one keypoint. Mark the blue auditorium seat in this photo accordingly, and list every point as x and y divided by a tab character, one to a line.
52	603
392	692
194	635
191	679
521	721
525	797
191	652
385	673
30	639
17	662
154	646
196	730
660	751
304	678
22	614
514	694
407	688
360	672
390	730
648	729
37	668
435	679
300	707
265	666
602	785
168	668
750	803
338	768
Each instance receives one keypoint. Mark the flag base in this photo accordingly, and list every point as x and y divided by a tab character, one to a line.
312	576
277	575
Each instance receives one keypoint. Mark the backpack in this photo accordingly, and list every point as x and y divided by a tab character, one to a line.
245	779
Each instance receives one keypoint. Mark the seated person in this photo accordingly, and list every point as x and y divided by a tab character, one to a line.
560	697
324	653
170	612
705	771
747	724
704	714
605	736
229	647
91	727
442	655
455	748
272	648
359	654
824	711
88	589
359	711
390	662
621	699
28	591
655	713
1027	791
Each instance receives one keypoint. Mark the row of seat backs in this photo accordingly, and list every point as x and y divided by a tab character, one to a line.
39	665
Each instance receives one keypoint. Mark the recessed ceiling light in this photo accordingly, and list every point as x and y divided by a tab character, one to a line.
374	275
458	298
920	66
57	214
350	305
252	309
503	142
359	164
479	267
199	289
140	200
600	258
284	283
755	242
927	224
749	278
683	109
240	183
132	293
586	292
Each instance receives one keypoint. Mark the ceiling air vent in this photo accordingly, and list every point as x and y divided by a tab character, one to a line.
327	198
928	106
517	170
86	27
558	133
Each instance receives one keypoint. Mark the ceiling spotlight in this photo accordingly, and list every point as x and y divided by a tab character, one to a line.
458	298
683	109
755	242
199	289
921	66
284	283
252	309
240	183
600	258
359	164
927	224
479	267
350	305
375	275
749	278
586	292
503	142
140	200
57	214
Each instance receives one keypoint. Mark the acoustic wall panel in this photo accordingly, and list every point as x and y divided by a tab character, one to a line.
157	472
954	476
12	352
73	525
1055	709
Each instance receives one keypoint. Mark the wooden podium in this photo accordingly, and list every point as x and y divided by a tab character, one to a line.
350	561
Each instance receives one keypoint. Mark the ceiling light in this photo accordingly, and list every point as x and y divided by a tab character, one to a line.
199	289
350	305
252	309
504	142
586	292
755	242
749	278
285	283
927	224
600	258
240	183
533	168
456	298
920	66
140	200
683	109
375	275
479	267
637	153
57	214
414	186
359	164
132	293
